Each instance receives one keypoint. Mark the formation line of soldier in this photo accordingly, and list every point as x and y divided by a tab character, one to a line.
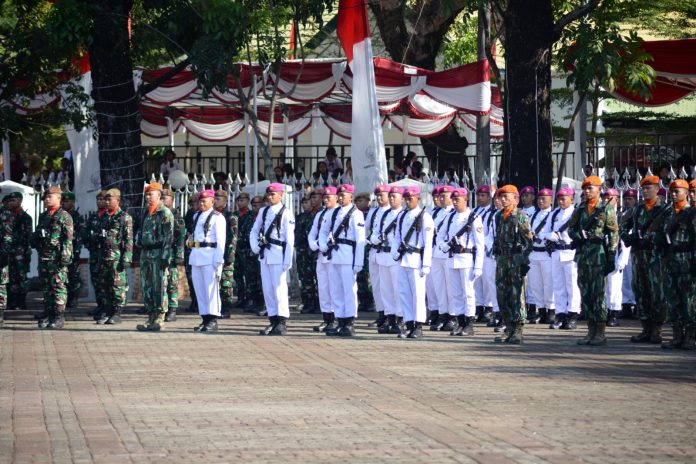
563	261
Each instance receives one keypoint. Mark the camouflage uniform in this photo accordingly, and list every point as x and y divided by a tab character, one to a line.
512	245
251	265
74	278
306	262
189	224
227	279
53	240
20	258
91	237
156	237
6	251
595	236
116	253
239	261
636	229
177	260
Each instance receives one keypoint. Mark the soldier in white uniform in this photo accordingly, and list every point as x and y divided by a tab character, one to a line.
540	277
326	304
207	244
437	299
342	241
528	200
412	249
615	278
388	268
566	294
486	296
628	298
273	239
431	302
371	228
461	237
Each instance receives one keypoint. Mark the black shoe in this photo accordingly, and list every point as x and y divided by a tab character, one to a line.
461	323
43	323
201	327
113	320
269	328
211	326
348	330
417	332
556	320
500	327
103	318
226	310
281	327
170	316
410	327
487	315
333	329
543	316
390	320
381	318
57	322
434	317
532	316
468	329
613	320
571	322
495	320
98	313
450	326
327	318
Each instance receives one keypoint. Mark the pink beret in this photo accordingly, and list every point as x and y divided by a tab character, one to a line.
611	192
275	187
330	190
437	190
412	191
381	189
527	189
399	190
206	194
545	192
565	191
446	189
484	189
460	192
346	188
631	193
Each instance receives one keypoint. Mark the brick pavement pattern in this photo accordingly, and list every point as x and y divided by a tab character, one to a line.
110	394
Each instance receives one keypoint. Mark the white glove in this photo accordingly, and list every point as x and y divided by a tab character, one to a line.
395	256
425	271
554	237
374	239
357	269
323	248
478	272
620	267
255	249
445	247
286	267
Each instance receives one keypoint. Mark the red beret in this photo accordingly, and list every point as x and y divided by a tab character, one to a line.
565	191
346	188
460	192
330	190
610	192
631	193
399	190
484	189
206	194
381	189
437	190
412	191
446	189
527	189
545	192
275	187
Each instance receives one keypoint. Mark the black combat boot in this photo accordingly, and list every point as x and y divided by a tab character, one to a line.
56	321
625	311
334	329
410	325
495	319
507	332
644	336
434	316
500	326
324	323
468	329
571	322
104	316
461	324
450	324
591	331
281	327
417	332
273	321
348	329
656	332
201	327
600	337
225	310
517	335
479	314
211	326
442	320
379	321
677	338
400	326
487	315
558	321
115	317
390	321
532	314
543	316
170	316
613	320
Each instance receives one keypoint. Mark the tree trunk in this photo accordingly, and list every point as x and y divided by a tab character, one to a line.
528	138
116	104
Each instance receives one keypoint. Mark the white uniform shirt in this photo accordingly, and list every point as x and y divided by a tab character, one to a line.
216	234
372	227
422	239
473	239
539	242
285	232
439	218
385	222
558	218
313	237
354	231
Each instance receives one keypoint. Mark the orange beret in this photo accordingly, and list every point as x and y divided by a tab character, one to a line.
53	190
650	180
153	186
507	189
592	180
679	184
692	184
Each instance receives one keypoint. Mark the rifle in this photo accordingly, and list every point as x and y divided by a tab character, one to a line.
415	227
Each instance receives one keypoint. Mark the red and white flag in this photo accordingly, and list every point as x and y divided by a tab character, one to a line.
367	142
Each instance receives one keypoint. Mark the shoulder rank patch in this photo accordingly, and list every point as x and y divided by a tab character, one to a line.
361	224
428	228
479	229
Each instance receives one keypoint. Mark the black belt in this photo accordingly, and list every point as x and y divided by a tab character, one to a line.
534	248
276	242
204	245
382	248
563	246
345	241
465	250
156	246
410	249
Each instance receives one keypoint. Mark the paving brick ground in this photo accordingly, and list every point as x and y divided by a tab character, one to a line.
105	394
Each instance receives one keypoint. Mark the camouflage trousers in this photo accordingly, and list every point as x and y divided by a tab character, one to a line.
510	279
53	277
678	290
74	279
227	284
238	273
4	279
307	273
18	270
252	277
363	280
114	284
592	284
153	281
647	288
189	278
173	289
97	282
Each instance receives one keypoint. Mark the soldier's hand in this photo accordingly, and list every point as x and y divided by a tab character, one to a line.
357	269
478	272
425	271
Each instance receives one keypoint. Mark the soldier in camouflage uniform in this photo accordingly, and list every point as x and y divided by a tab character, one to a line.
91	238
19	251
74	278
116	254
594	231
692	193
675	241
636	227
306	259
512	245
53	240
155	240
177	256
189	224
242	202
227	278
365	297
251	266
6	252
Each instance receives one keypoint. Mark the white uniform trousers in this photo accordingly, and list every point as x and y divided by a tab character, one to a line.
613	291
375	282
460	292
326	304
411	294
627	295
389	288
437	297
275	290
344	290
489	287
431	292
207	288
566	293
540	284
478	289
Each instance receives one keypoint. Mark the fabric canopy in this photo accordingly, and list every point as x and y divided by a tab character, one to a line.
674	62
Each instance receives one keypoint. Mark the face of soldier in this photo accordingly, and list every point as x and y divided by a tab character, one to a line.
315	200
68	204
153	197
242	202
256	204
14	203
483	199
629	202
345	198
101	202
564	201
527	200
330	201
544	201
650	191
460	203
204	204
496	203
692	195
112	202
395	200
383	199
591	192
220	202
445	199
51	200
362	204
436	201
273	198
610	200
412	201
306	205
508	200
167	200
678	194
